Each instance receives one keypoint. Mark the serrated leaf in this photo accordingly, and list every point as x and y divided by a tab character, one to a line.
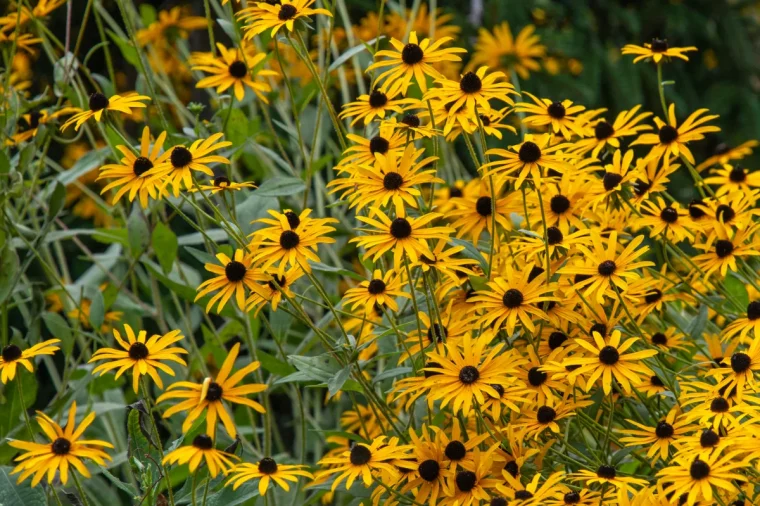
165	246
280	187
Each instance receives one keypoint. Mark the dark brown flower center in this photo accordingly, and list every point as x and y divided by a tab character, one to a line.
559	204
664	430
437	333
695	211
557	339
640	187
737	175
725	213
470	83
376	287
529	152
455	450
709	438
360	455
466	480
656	381
606	268
377	99
611	180
606	472
699	469
512	468
203	442
723	248
603	130
412	54
289	239
668	134
287	12
572	498
599	328
401	228
483	206
235	271
512	298
11	353
98	102
429	470
669	215
214	392
181	157
523	495
267	466
536	377
609	355
554	236
485	120
293	219
719	405
411	120
659	338
138	351
545	415
556	110
61	446
221	181
468	375
654	296
392	181
753	312
659	45
379	144
238	69
280	280
740	362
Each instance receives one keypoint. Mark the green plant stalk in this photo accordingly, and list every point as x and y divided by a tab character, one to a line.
149	407
82	495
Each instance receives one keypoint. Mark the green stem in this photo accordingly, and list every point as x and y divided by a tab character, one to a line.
149	408
78	484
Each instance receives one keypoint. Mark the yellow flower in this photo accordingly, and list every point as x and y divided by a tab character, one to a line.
99	104
233	68
202	448
285	13
13	356
657	50
500	50
266	470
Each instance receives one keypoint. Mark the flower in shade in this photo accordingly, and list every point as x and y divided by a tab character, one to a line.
208	396
99	104
501	50
202	449
221	184
266	470
560	116
658	50
13	356
65	450
143	356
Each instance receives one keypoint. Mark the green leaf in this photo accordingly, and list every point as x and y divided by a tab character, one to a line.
237	127
12	494
165	246
138	233
10	409
280	187
147	14
697	326
335	383
87	163
60	329
112	236
737	289
139	449
56	200
228	497
200	255
5	163
274	365
321	368
353	51
8	268
127	49
97	306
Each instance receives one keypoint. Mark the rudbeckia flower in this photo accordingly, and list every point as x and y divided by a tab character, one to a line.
13	356
202	449
99	104
263	16
658	50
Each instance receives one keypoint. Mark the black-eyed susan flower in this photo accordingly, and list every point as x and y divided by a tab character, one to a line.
132	175
171	24
177	171
405	236
263	16
606	474
732	178
467	374
458	447
665	433
375	104
559	116
411	126
389	180
388	140
445	263
722	253
381	290
100	104
724	154
290	239
665	218
492	124
235	68
362	460
738	371
537	419
528	159
232	277
501	50
607	265
12	356
658	50
651	178
472	486
266	470
33	120
607	359
208	396
428	480
697	477
201	450
563	203
444	327
617	175
582	497
143	356
414	59
473	92
475	213
743	326
272	291
671	139
536	491
512	299
601	133
65	452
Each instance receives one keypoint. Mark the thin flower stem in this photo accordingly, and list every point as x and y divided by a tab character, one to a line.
23	404
661	90
156	435
78	484
193	501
